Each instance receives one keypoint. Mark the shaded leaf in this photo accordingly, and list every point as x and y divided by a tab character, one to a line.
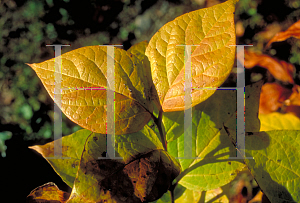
211	167
209	139
139	51
166	198
72	146
276	163
47	193
145	173
221	114
292	31
210	28
87	67
279	121
174	121
281	70
252	95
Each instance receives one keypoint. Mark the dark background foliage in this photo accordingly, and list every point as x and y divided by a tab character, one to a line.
26	27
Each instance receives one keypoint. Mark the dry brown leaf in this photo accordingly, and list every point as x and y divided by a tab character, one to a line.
47	193
295	110
294	99
293	102
272	97
281	70
292	31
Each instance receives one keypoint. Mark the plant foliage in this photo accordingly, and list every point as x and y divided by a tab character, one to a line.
149	87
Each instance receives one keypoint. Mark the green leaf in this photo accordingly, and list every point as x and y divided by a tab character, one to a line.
213	30
144	174
210	143
279	121
72	147
87	68
275	166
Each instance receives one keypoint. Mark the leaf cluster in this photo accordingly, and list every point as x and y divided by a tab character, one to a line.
155	149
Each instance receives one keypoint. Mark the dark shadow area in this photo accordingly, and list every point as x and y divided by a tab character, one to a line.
22	170
274	191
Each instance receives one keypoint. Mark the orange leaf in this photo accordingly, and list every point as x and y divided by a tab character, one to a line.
281	70
292	31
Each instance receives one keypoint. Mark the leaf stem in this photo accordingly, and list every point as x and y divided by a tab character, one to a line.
158	122
172	195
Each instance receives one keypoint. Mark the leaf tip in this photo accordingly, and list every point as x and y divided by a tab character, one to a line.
37	148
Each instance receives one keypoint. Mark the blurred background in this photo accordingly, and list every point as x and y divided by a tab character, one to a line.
26	27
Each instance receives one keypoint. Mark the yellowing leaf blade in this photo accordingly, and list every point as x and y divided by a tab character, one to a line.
279	121
84	88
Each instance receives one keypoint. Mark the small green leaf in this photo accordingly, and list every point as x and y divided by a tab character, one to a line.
72	147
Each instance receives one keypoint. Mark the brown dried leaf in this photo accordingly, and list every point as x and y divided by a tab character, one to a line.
47	193
293	102
294	99
272	97
281	70
144	174
292	31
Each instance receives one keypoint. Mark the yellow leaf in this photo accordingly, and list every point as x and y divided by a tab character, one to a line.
279	121
87	67
192	196
212	30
